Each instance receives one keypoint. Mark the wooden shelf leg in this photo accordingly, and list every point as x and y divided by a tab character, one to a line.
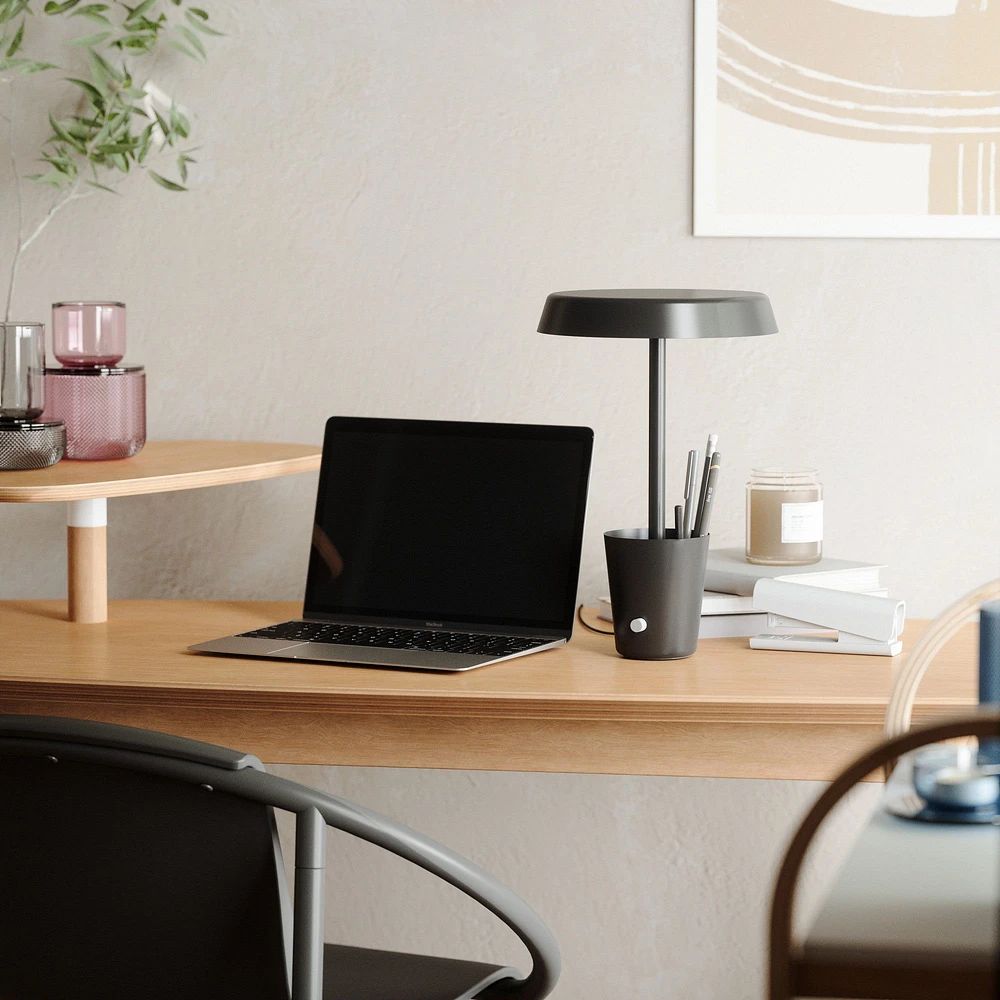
87	560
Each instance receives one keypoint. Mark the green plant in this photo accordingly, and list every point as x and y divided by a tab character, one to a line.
112	127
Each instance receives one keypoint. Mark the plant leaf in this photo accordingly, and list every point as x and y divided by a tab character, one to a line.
52	178
145	142
104	187
164	127
91	40
199	25
52	7
91	91
195	41
9	9
180	47
64	136
141	10
164	183
135	43
179	123
16	43
96	18
109	71
37	67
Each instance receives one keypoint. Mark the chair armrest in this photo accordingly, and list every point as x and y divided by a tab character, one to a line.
439	860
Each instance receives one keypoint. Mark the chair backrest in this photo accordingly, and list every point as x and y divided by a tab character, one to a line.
143	865
899	710
116	883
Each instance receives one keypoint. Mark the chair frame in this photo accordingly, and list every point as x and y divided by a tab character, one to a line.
216	768
985	725
899	710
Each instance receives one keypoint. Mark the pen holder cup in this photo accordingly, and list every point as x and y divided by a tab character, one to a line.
656	589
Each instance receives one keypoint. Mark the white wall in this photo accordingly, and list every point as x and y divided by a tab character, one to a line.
385	195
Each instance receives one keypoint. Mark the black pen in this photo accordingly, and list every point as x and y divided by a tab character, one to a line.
689	488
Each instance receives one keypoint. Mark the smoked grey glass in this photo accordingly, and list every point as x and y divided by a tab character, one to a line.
22	361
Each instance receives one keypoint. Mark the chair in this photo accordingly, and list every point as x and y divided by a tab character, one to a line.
931	641
140	866
791	974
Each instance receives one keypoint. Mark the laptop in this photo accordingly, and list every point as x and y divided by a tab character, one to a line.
437	545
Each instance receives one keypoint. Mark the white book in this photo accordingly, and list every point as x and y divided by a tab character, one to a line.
711	604
729	572
719	625
730	626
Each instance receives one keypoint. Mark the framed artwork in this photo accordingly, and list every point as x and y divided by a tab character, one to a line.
847	118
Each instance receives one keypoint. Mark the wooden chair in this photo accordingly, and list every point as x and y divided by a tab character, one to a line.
899	711
789	973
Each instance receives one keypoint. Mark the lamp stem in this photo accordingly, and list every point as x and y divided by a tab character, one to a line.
657	436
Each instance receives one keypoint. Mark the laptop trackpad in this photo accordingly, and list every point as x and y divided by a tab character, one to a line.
377	656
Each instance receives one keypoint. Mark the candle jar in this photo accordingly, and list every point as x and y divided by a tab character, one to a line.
784	517
22	362
88	334
104	410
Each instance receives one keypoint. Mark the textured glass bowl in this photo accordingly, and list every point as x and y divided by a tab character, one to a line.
25	445
104	410
88	333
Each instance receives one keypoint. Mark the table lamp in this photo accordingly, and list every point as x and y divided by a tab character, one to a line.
646	573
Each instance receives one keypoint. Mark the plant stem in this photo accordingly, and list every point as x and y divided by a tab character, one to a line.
20	200
60	202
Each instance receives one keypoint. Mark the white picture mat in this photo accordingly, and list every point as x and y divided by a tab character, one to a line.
710	219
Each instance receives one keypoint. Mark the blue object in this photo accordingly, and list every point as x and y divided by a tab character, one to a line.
989	671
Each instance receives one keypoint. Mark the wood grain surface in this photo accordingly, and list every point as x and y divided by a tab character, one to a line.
161	466
726	711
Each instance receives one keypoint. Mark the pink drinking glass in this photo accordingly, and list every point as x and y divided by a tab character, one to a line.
88	333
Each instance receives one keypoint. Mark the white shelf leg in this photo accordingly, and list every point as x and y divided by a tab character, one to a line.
87	559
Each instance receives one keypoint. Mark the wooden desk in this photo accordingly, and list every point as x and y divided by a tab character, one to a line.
915	913
727	711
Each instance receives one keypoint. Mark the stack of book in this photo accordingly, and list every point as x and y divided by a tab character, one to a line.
727	605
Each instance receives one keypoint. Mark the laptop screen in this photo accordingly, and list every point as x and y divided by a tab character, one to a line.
447	522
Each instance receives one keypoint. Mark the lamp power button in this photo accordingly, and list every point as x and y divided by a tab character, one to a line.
637	624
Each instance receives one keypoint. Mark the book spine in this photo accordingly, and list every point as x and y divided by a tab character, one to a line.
729	583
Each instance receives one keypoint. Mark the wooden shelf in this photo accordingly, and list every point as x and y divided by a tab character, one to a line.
727	711
162	466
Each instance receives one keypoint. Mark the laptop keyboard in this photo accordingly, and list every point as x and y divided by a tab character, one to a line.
398	638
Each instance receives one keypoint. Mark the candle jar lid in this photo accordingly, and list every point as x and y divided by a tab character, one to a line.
97	370
781	475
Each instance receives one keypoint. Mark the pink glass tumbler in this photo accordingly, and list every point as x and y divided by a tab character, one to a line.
88	334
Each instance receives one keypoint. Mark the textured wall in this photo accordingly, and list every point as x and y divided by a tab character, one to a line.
385	195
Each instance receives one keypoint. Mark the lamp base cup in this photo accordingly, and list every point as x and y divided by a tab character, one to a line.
656	587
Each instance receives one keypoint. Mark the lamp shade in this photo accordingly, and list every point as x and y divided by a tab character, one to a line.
657	313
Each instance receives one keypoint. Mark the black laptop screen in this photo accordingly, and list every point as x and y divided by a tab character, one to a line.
449	522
